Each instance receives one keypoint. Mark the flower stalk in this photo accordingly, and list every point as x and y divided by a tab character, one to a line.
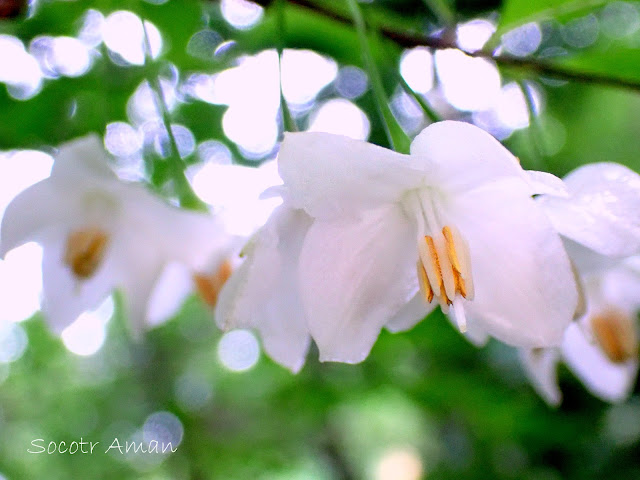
398	139
288	122
429	112
186	196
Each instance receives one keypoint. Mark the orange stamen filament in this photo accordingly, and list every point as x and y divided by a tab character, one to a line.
208	286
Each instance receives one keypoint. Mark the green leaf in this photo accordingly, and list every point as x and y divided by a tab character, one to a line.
68	107
615	61
398	139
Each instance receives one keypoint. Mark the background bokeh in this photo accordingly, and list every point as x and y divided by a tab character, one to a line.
562	90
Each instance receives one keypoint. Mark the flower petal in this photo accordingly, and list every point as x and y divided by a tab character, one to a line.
460	157
184	236
64	297
137	265
602	210
82	159
171	289
546	183
525	291
354	277
540	366
263	294
413	312
608	381
475	333
32	212
333	176
621	285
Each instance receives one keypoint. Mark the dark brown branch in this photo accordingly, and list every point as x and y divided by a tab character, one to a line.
532	65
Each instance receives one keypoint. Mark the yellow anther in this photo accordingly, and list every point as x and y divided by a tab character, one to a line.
451	249
84	251
435	261
443	267
425	286
460	285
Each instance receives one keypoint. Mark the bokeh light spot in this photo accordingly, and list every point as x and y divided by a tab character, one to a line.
122	140
192	391
165	428
13	342
474	34
416	66
18	69
399	464
234	191
352	82
581	32
467	83
620	19
342	117
124	35
524	40
238	350
241	13
304	74
87	333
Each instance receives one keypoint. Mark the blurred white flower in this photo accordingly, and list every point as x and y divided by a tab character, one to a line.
99	233
601	348
234	193
600	222
263	292
341	252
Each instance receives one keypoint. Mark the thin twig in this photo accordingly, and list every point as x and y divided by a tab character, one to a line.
289	124
530	65
398	139
442	11
429	112
186	195
536	134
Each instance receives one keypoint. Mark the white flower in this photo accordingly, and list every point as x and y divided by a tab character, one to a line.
601	348
99	233
233	193
601	211
601	222
368	237
263	293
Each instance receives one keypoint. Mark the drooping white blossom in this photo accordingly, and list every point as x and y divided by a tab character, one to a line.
368	238
234	194
600	222
99	233
601	347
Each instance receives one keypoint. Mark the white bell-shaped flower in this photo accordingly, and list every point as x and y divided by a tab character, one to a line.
367	237
600	223
99	233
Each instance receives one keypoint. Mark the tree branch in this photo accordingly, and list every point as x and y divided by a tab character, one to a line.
531	65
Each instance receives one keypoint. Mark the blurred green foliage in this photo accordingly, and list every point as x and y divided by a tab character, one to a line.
467	412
